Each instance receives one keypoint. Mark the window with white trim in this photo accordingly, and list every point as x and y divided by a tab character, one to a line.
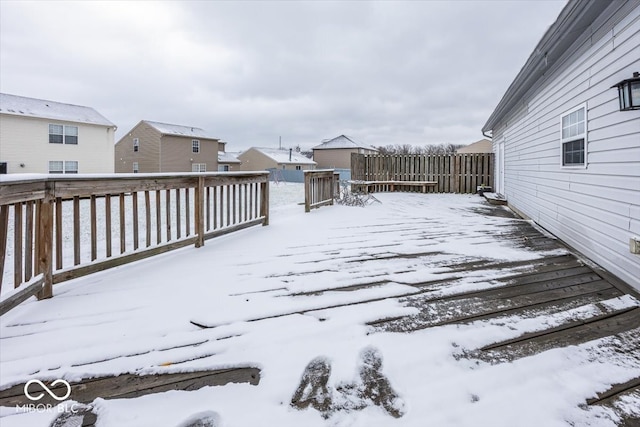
136	145
573	137
63	134
135	167
61	166
199	167
195	145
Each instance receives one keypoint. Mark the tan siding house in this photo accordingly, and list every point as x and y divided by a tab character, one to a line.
161	147
257	159
40	136
482	146
227	161
336	153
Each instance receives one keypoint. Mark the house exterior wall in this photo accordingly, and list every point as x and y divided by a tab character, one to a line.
595	209
335	158
177	154
253	160
25	140
148	155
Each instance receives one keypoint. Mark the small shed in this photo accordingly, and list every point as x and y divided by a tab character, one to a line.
336	153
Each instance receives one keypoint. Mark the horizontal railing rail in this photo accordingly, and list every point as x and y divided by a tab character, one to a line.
56	228
320	188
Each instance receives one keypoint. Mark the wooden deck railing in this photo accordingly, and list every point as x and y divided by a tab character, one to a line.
56	228
320	187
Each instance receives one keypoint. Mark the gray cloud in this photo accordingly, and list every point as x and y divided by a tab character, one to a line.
386	72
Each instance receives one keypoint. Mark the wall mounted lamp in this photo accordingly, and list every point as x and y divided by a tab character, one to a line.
629	93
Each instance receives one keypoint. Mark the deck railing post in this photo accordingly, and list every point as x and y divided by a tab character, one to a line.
199	212
264	201
307	191
45	241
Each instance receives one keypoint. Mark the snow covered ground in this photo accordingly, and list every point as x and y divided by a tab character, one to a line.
275	299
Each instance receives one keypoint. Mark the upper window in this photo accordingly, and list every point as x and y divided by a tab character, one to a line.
298	167
62	134
195	145
573	137
136	144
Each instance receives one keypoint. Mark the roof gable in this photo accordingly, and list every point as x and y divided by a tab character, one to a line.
285	156
179	130
341	142
42	109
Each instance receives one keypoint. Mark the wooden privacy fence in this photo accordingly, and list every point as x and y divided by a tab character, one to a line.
320	188
57	228
453	173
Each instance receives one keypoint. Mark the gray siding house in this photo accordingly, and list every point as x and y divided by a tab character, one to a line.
567	157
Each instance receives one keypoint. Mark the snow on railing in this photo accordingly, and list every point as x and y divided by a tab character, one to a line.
320	188
56	228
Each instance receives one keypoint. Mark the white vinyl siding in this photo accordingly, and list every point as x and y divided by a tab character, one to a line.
595	208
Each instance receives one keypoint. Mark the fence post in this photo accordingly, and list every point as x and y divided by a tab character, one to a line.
45	241
199	213
264	201
4	226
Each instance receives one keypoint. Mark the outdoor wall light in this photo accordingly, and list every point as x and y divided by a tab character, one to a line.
629	93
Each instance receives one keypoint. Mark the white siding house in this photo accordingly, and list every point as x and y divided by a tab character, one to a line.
566	156
39	136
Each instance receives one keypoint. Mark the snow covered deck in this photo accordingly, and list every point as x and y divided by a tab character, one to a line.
462	314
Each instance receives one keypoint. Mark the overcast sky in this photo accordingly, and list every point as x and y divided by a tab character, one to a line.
383	72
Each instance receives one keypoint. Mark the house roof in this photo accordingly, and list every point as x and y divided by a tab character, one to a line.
224	157
179	130
282	156
482	146
340	142
43	109
575	20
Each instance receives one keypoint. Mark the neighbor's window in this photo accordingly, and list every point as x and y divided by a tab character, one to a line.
135	167
136	144
56	166
59	166
71	166
199	167
61	134
573	137
298	167
195	145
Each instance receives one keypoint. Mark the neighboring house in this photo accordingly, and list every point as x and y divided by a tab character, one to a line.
478	147
39	136
257	159
161	147
336	153
227	161
566	155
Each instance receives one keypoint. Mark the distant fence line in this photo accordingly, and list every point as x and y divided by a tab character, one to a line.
63	227
454	173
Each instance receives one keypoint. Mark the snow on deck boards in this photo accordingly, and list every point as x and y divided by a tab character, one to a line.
480	320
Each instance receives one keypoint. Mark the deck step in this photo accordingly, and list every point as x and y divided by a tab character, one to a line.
131	385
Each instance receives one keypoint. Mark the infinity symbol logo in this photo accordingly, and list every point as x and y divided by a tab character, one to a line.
47	389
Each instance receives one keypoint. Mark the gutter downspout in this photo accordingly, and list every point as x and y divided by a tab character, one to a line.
487	136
